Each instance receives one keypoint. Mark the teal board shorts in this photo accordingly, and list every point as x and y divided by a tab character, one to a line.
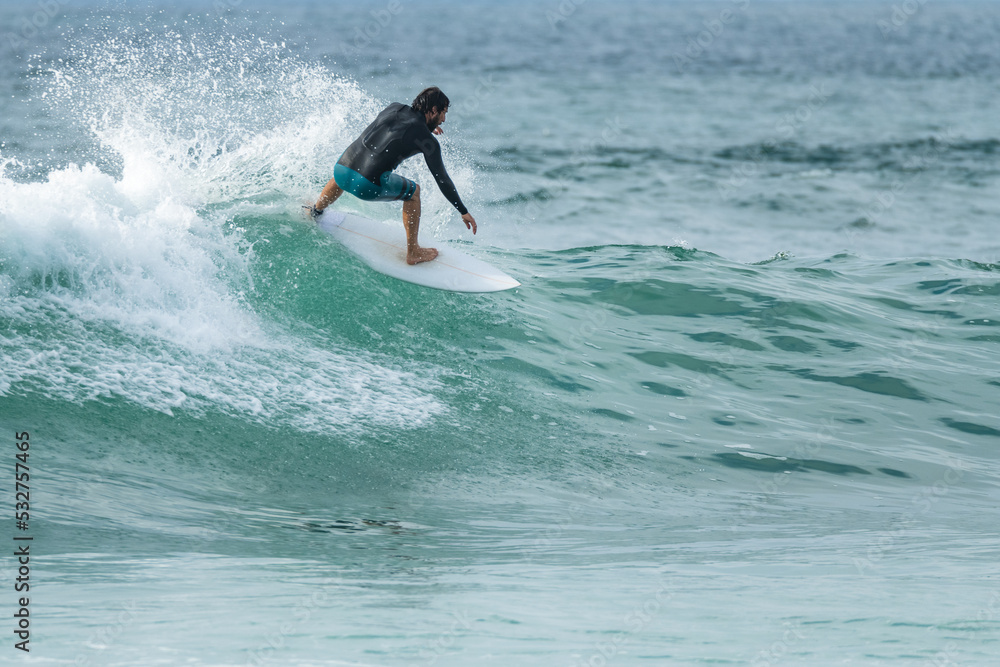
392	187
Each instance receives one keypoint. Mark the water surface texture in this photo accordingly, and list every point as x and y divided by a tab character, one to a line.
742	411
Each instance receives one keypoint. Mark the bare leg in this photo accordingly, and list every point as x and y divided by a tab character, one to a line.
330	194
411	221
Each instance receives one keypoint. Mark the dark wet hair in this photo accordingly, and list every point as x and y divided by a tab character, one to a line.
430	98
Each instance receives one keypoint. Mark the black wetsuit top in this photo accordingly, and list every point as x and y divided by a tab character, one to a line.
397	133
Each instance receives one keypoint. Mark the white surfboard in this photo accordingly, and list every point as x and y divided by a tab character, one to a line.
383	248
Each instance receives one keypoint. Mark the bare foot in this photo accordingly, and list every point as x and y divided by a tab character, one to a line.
419	255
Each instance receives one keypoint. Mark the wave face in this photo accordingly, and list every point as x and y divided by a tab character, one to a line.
753	366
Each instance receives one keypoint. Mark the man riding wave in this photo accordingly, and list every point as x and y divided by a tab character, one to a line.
366	167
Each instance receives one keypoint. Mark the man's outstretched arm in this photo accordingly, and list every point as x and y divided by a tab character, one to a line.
432	155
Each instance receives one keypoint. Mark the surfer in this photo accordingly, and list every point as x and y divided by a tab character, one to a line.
366	167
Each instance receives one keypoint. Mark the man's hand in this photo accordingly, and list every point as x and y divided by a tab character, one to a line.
470	222
438	130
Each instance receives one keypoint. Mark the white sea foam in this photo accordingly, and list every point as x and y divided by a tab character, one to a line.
127	295
133	284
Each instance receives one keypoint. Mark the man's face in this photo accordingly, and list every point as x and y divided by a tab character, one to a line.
436	118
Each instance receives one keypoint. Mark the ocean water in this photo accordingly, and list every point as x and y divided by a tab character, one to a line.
742	411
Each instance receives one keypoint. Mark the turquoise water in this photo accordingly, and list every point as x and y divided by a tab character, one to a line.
742	410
